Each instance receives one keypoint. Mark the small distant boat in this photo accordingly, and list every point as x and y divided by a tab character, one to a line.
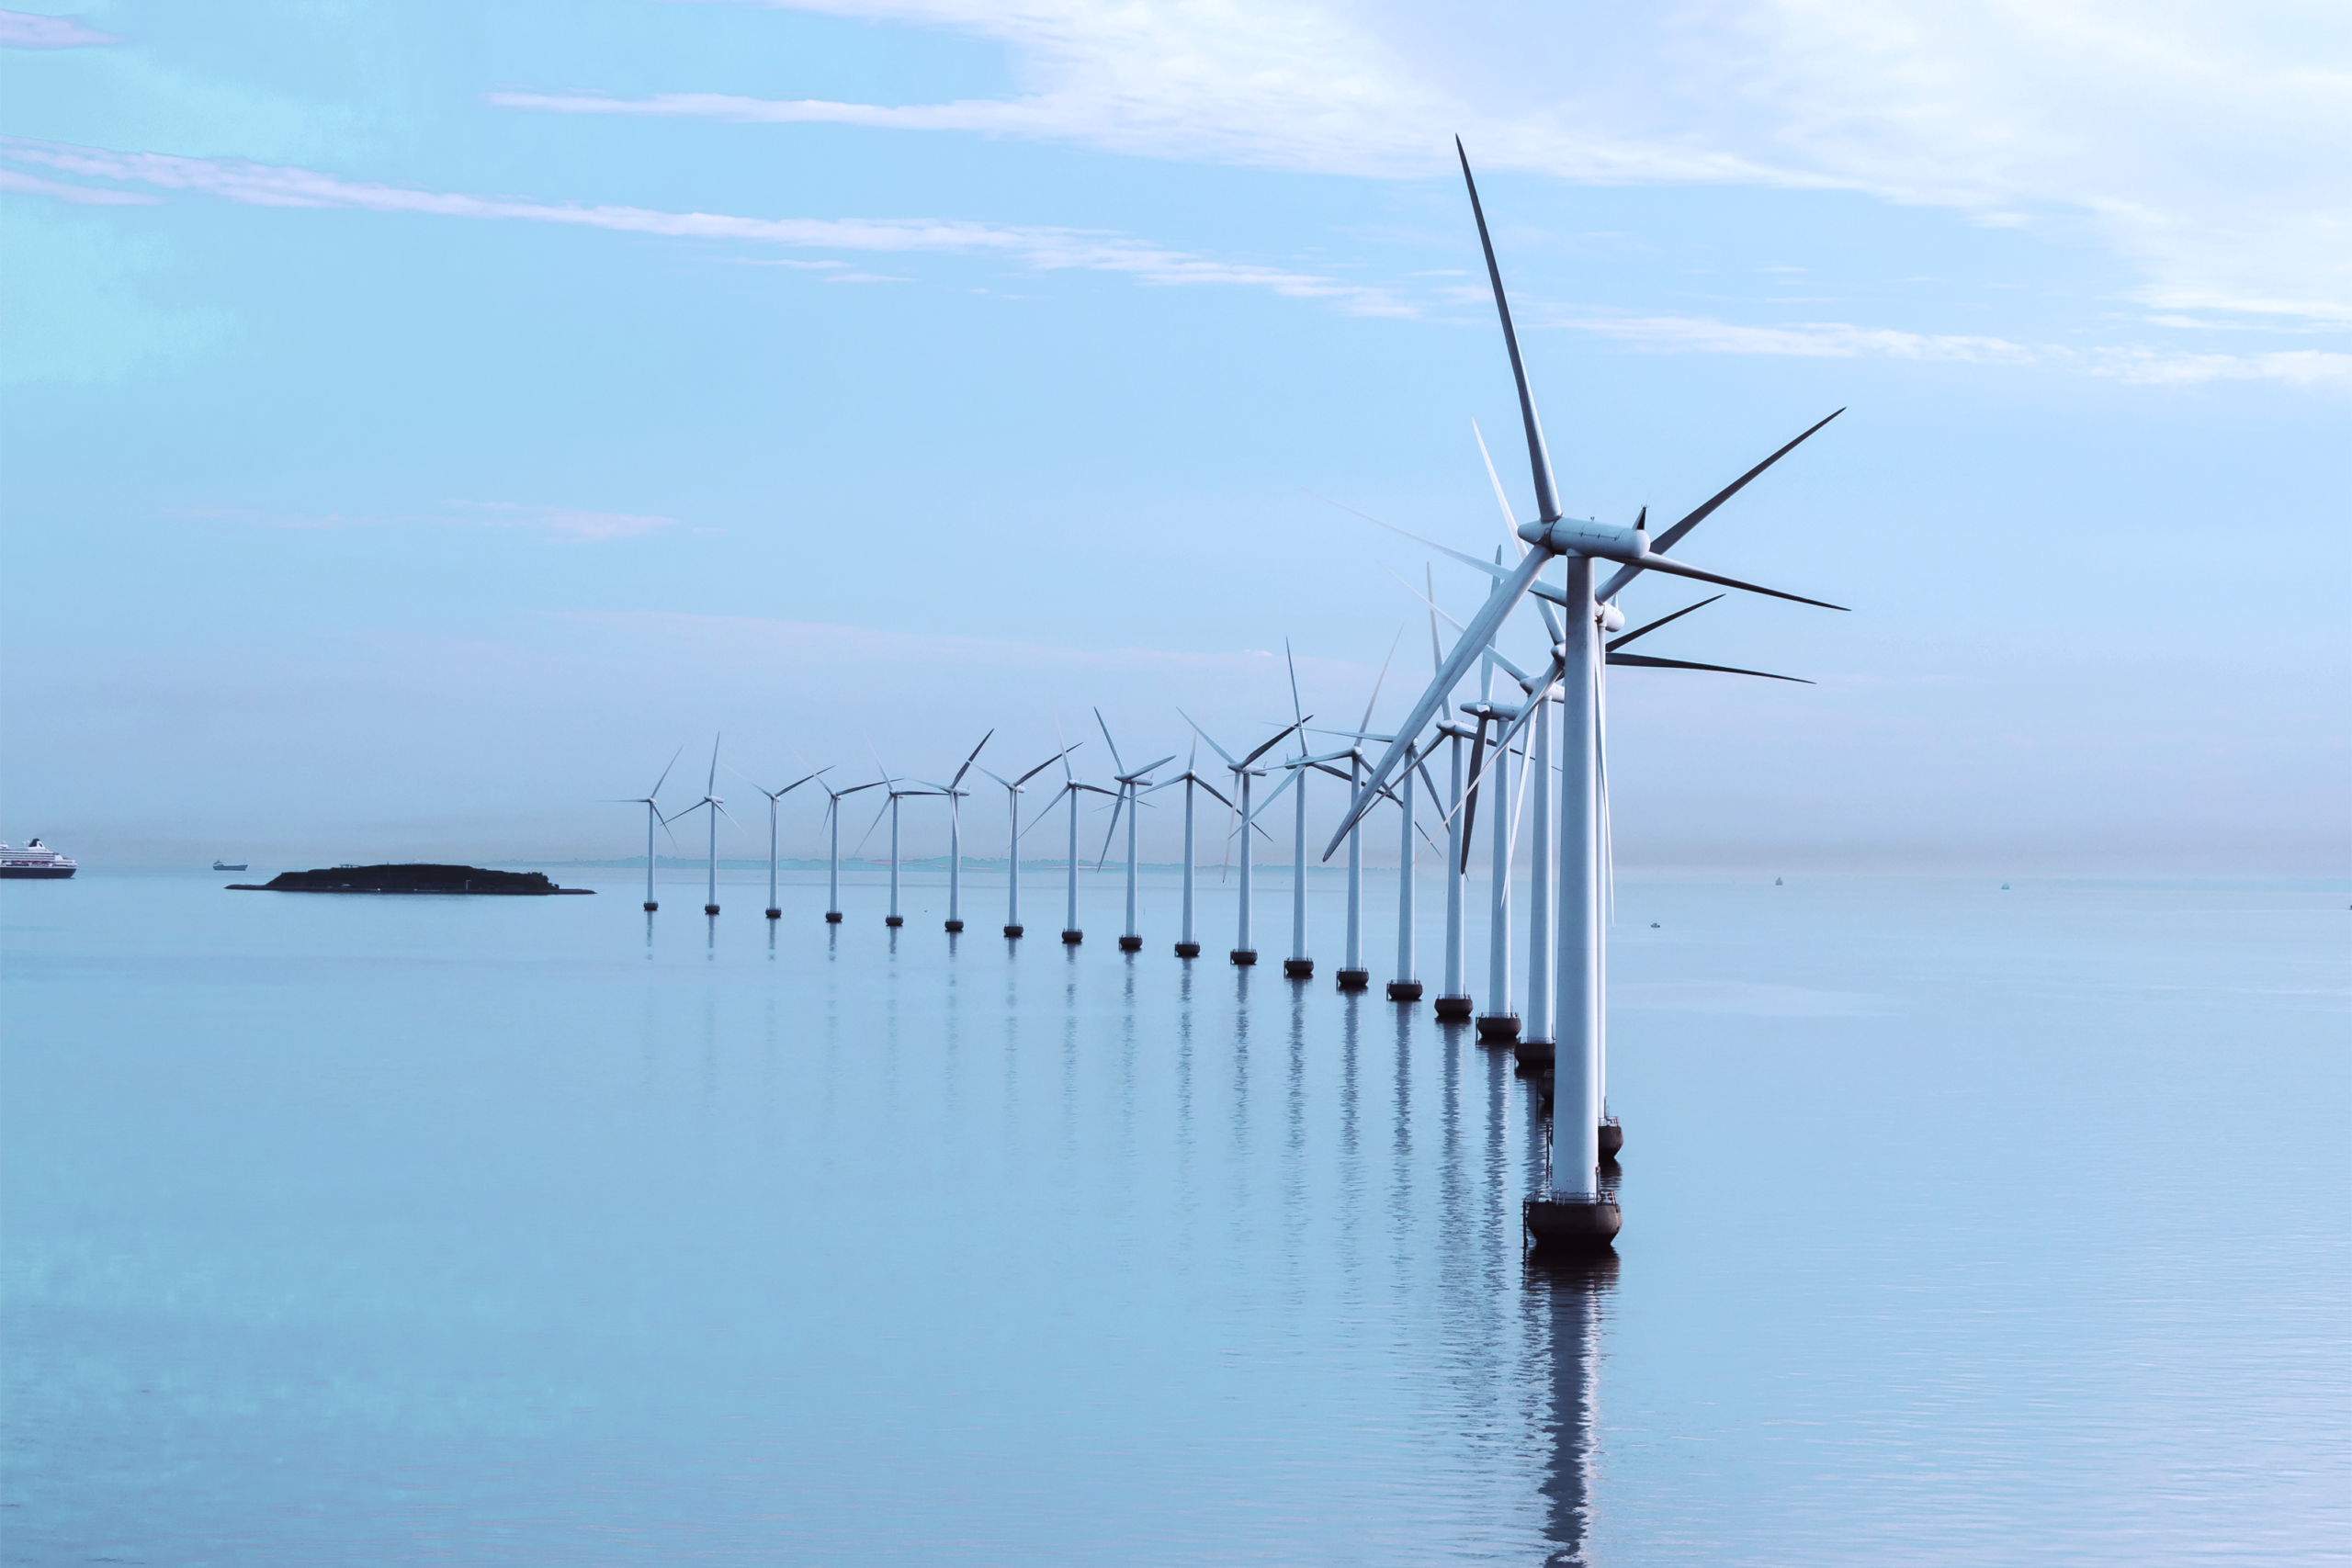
1776	882
33	861
224	865
2005	887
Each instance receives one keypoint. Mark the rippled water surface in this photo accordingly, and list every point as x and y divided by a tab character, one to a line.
1961	1227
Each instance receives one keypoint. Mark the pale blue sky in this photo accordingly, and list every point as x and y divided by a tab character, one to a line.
422	419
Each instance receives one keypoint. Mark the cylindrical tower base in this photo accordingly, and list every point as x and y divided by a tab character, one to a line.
1455	1009
1245	956
1071	939
776	914
1563	1227
833	916
1612	1138
1131	944
711	909
1355	979
1188	950
954	927
1404	990
651	907
1298	969
1533	1052
1012	931
894	921
1497	1028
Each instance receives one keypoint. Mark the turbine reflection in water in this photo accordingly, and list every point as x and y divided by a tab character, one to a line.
1567	1304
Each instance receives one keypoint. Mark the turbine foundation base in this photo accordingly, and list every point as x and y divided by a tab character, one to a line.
1404	990
776	914
1071	939
1455	1009
954	927
711	909
1565	1226
1612	1138
1012	931
1355	979
651	907
894	921
1497	1028
1534	1054
1188	950
1245	956
1131	944
833	916
1298	969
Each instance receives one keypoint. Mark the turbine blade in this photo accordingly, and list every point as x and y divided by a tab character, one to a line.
968	761
1470	796
1205	735
712	787
1289	776
1673	536
1293	662
1643	661
1272	744
1115	760
871	826
1662	620
1468	560
1547	504
1102	859
1676	569
665	771
1510	523
1043	765
1382	679
1437	658
1480	632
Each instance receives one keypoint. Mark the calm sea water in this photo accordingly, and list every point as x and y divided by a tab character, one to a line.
1961	1227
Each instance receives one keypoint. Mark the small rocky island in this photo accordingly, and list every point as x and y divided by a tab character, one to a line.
409	879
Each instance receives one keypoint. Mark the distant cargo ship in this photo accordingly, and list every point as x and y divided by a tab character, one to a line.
224	865
33	861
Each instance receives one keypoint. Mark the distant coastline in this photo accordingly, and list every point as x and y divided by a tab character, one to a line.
445	880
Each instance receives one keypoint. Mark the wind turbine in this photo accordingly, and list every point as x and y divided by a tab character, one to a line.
1243	953
1131	781
890	786
1187	945
774	795
833	854
1013	788
718	809
1576	1210
652	816
1299	965
953	791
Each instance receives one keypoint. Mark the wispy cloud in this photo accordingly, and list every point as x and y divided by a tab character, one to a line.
81	195
1043	249
2201	143
20	29
2306	368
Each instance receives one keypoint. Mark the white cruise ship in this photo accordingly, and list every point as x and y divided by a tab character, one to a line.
35	860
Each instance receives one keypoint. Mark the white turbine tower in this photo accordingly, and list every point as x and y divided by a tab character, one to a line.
1243	953
955	792
1187	942
776	913
834	851
1353	976
1013	788
652	818
1577	1212
1131	782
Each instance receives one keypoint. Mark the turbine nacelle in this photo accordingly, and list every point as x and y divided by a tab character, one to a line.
1569	537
